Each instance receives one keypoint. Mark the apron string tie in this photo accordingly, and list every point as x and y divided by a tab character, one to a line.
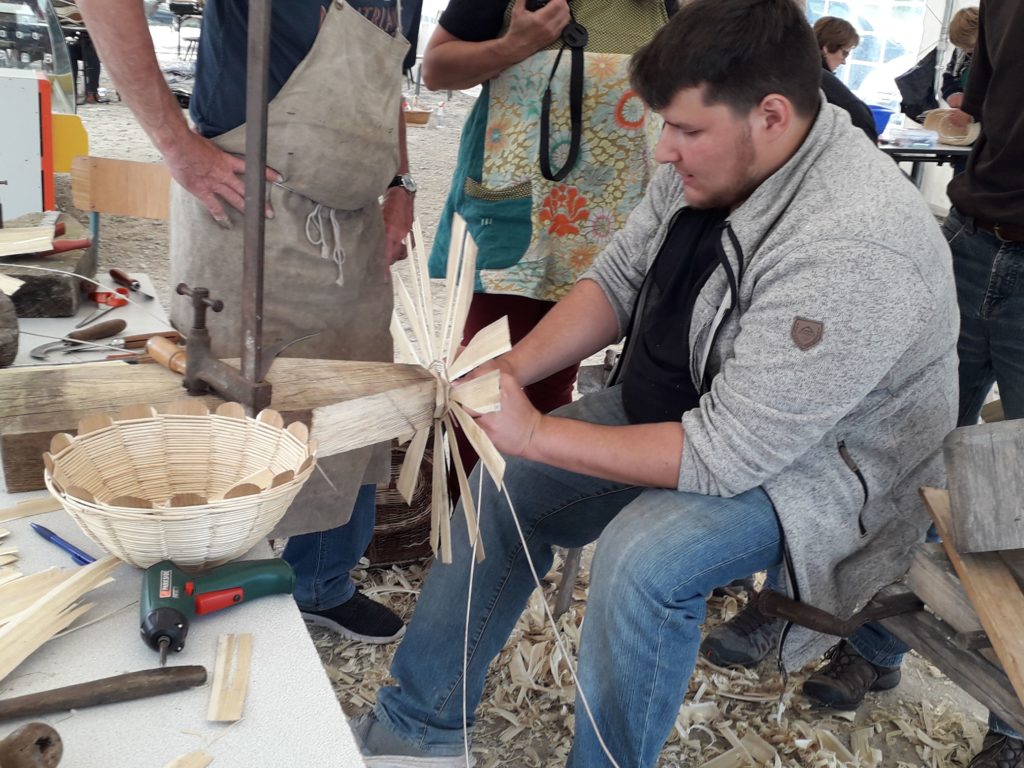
330	243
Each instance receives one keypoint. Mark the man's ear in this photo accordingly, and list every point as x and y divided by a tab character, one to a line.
774	114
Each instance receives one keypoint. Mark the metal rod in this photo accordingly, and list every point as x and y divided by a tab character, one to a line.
256	91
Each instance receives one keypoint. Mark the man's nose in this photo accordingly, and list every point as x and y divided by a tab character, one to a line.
666	150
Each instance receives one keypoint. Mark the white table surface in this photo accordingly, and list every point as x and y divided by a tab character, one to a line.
291	714
145	316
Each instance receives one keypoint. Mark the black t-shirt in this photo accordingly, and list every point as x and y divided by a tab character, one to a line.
218	98
656	384
479	20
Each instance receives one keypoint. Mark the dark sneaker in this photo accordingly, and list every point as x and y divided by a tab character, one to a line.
999	751
744	640
383	749
847	678
359	618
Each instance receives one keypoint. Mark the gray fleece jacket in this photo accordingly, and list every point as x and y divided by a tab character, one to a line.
832	381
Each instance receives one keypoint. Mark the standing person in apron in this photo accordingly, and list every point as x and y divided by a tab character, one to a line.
335	144
538	229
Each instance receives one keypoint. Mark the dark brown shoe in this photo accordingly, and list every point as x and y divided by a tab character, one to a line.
847	678
999	751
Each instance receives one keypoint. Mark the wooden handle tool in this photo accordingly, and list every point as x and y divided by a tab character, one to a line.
127	687
167	353
36	745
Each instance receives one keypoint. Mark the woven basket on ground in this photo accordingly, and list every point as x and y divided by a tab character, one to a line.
402	531
185	485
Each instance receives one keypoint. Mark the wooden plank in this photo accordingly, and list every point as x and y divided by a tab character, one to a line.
346	404
230	678
120	187
932	638
29	508
986	486
992	589
932	578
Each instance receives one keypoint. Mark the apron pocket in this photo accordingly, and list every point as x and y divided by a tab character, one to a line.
499	221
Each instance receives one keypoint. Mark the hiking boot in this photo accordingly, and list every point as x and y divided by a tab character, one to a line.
744	640
999	751
383	749
359	618
846	679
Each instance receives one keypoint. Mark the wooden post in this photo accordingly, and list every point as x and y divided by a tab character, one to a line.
986	486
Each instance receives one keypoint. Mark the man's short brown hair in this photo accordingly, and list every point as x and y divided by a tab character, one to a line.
738	50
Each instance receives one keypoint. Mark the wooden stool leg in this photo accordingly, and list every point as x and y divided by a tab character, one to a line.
570	570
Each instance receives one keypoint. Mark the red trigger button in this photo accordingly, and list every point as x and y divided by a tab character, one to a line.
190	587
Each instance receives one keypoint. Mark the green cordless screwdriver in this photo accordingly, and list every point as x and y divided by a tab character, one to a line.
171	597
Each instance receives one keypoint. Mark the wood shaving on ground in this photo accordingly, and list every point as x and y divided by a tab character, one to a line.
731	717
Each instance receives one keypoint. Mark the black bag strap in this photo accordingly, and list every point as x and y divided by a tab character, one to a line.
574	36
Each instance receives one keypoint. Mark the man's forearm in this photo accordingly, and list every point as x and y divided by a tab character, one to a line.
121	34
640	454
578	326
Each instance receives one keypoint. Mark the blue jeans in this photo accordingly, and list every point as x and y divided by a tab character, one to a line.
660	555
990	293
322	560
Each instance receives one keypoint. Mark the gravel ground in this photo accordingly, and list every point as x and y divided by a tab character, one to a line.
528	722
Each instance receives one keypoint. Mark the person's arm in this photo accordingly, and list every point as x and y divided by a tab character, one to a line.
398	204
579	325
977	83
451	63
639	454
119	29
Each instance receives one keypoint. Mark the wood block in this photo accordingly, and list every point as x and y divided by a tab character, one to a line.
992	589
8	331
346	405
986	486
932	638
51	294
121	187
932	578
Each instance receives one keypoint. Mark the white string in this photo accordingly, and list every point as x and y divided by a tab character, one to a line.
558	638
92	280
469	600
317	235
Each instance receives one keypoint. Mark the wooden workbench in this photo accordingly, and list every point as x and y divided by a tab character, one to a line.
291	715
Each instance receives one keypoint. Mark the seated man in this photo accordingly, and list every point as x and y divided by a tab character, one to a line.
789	377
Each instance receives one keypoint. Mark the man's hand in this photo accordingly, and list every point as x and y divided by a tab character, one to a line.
210	174
960	119
398	215
531	31
512	428
955	100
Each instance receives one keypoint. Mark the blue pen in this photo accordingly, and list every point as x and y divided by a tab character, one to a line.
80	557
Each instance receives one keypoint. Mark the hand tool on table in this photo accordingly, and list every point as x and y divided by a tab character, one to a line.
77	342
36	745
171	597
108	690
122	278
80	557
175	357
107	301
68	343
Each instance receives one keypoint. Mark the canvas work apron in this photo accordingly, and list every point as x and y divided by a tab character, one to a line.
332	133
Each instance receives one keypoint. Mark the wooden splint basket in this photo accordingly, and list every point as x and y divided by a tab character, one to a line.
194	487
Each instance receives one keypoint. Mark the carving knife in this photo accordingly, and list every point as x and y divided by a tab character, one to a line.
121	277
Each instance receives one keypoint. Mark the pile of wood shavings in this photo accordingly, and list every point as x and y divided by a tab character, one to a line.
731	717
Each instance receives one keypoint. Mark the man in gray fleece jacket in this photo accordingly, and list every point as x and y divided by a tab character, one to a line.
789	377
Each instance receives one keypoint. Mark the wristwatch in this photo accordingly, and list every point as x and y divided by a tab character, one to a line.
405	181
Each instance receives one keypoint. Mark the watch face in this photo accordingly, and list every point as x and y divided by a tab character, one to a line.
408	183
